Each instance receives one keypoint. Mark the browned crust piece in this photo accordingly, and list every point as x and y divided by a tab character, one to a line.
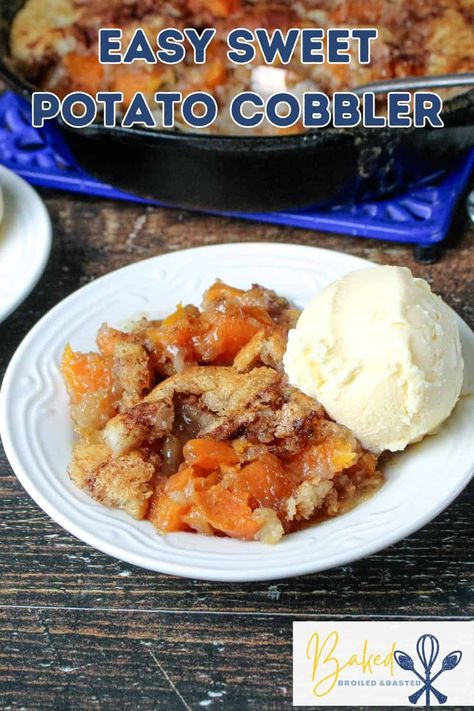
124	482
262	349
233	397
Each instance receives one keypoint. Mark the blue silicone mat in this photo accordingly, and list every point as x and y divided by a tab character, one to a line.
421	216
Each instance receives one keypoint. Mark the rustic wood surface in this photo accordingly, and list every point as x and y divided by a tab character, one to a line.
80	630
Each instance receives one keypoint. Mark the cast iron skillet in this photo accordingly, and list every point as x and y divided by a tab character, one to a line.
258	174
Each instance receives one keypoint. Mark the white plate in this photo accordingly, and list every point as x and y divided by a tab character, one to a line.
38	436
25	241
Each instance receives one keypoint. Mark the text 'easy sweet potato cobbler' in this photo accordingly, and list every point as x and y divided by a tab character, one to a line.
190	422
54	44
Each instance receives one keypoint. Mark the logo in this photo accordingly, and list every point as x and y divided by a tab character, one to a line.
427	649
392	663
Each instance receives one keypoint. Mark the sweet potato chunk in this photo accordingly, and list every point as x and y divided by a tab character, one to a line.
85	373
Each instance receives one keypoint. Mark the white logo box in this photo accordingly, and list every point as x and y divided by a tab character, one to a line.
391	663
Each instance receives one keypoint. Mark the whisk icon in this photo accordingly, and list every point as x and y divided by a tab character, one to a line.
427	648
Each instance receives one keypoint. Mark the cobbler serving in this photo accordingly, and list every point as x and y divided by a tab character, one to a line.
190	422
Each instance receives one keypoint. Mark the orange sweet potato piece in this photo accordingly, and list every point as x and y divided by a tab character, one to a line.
229	334
85	373
219	290
227	511
173	509
208	453
167	515
168	507
108	337
86	72
180	329
217	8
265	481
180	482
130	80
216	74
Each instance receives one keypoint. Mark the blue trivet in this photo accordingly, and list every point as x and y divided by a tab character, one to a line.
421	216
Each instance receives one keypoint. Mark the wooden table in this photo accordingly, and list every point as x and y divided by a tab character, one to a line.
80	630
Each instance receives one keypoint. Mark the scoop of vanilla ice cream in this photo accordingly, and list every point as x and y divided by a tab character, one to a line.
381	353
